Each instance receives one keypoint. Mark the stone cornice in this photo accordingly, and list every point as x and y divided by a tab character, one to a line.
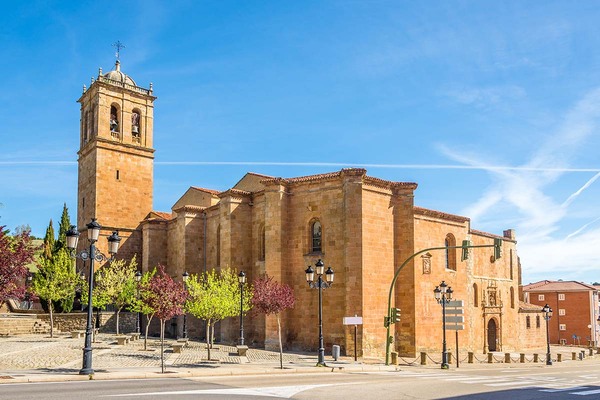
102	143
438	214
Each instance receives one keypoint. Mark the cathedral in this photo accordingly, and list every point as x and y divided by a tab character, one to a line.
361	226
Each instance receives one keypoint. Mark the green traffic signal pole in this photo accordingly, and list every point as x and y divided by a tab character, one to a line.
497	244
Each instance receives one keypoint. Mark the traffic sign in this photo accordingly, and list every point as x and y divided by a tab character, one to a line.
455	327
455	319
455	303
454	311
352	320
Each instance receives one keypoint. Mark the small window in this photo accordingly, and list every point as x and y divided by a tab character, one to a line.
449	242
316	234
117	174
528	322
261	244
537	321
475	295
561	296
562	327
561	311
541	297
512	297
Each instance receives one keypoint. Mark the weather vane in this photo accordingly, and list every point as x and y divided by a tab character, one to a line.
119	46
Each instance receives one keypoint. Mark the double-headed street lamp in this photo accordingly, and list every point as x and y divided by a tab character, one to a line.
548	311
242	281
93	230
185	278
443	294
320	285
138	278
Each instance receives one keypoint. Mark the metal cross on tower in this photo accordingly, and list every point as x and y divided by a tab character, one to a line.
119	46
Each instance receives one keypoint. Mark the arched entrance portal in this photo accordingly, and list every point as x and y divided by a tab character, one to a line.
491	334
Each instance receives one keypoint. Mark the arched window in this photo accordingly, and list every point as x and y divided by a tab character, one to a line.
219	246
316	235
475	295
512	297
84	127
135	126
93	131
450	253
114	120
528	322
261	243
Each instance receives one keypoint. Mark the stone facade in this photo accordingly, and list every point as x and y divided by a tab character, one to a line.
368	227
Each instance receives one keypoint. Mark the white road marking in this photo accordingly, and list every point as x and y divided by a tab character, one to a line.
513	383
586	393
563	389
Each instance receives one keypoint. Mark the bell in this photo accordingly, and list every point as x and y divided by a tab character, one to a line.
135	129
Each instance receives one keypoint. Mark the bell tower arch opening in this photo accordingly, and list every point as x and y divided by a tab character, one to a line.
116	164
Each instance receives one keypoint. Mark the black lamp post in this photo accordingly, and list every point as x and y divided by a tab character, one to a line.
548	311
138	278
443	294
93	230
242	280
320	285
185	277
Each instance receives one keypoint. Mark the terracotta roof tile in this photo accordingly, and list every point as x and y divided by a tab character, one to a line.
558	286
211	191
439	214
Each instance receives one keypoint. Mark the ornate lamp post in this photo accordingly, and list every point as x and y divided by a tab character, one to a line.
93	230
242	281
548	311
185	277
320	285
138	278
443	294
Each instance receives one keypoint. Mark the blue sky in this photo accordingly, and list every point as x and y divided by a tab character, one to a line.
492	107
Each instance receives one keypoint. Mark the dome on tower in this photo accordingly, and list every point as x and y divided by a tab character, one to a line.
118	76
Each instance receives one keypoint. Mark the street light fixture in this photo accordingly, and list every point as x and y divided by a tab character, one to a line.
548	311
443	294
93	229
320	285
242	281
138	278
185	277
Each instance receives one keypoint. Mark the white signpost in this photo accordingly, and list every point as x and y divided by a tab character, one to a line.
455	319
356	320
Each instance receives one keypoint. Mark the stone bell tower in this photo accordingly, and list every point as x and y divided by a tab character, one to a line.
115	158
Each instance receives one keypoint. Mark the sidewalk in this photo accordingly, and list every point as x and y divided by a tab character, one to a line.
36	358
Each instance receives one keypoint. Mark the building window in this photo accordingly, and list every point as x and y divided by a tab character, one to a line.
135	126
541	297
219	246
561	296
511	265
537	321
562	327
561	311
475	295
528	322
316	236
114	120
450	241
512	297
117	174
261	243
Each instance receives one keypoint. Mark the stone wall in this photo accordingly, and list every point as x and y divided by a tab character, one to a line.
78	321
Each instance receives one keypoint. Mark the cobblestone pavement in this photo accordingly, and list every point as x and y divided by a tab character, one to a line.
30	352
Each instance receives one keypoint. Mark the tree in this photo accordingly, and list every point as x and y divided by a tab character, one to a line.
271	297
166	298
15	253
56	280
49	241
213	297
65	224
115	285
141	303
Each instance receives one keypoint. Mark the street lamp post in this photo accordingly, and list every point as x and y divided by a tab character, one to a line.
138	278
242	281
320	285
93	230
185	277
443	294
548	311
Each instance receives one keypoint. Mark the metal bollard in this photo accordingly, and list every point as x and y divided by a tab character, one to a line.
490	358
536	357
449	358
559	357
591	351
507	358
423	358
470	357
573	356
394	358
522	358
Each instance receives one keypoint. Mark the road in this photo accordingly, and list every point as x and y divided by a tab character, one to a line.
569	381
